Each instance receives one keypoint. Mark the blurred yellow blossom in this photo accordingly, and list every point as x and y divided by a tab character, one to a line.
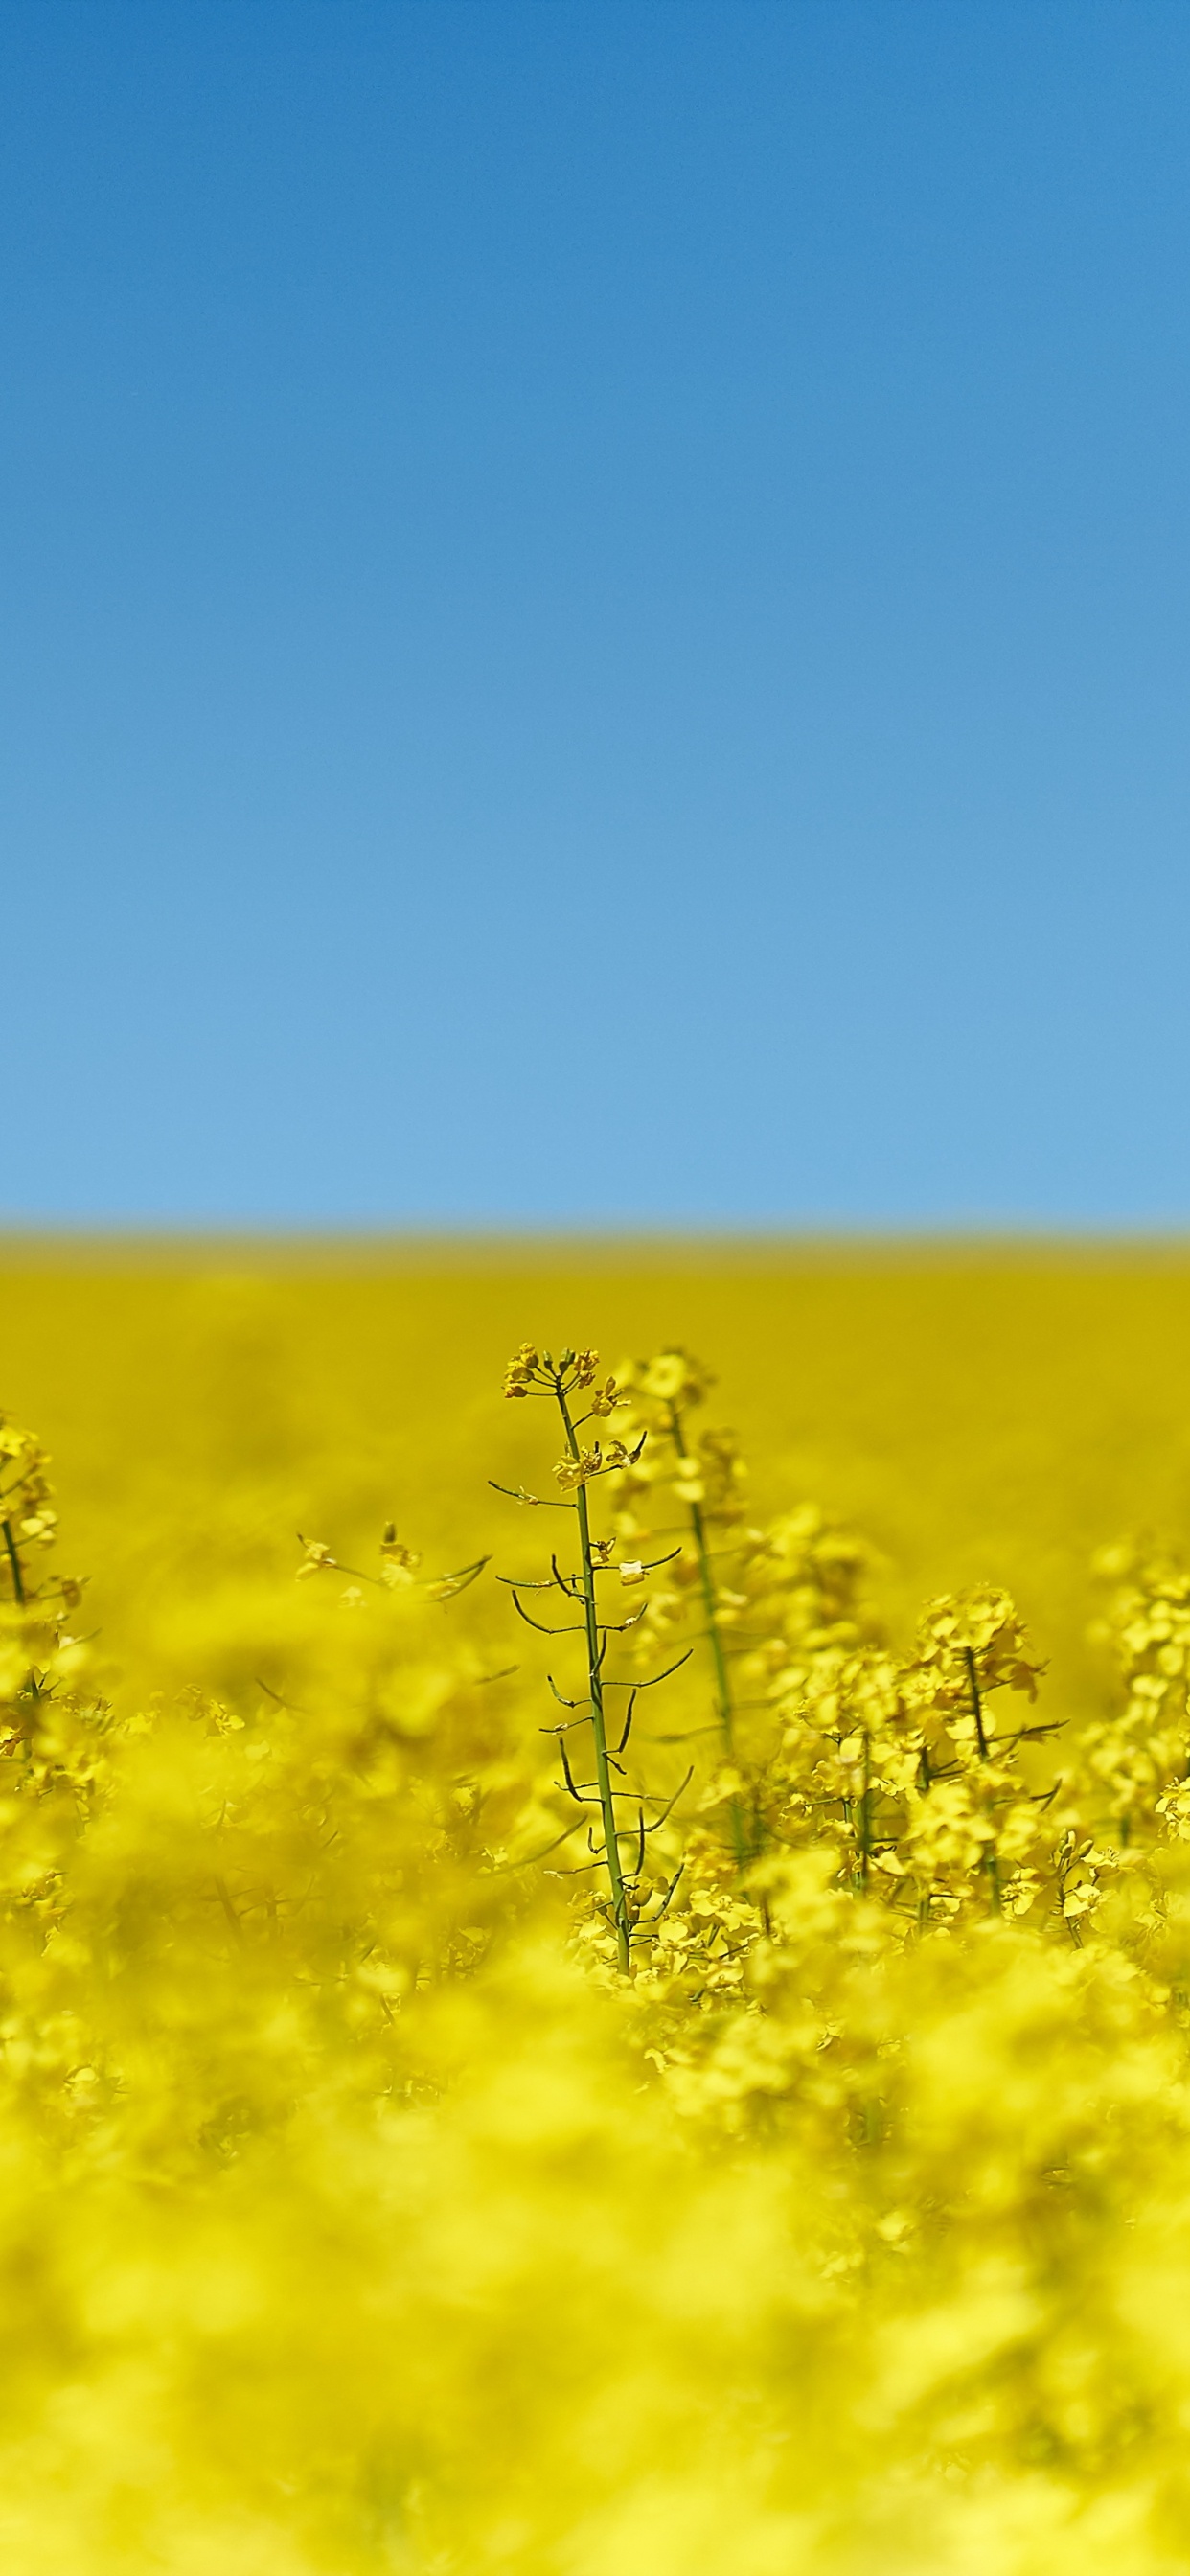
360	2213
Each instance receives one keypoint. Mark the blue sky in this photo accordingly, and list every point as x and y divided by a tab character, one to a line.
595	612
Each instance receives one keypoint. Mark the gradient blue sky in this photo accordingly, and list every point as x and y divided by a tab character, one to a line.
595	611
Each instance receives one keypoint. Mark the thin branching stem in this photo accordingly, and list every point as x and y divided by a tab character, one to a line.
595	1654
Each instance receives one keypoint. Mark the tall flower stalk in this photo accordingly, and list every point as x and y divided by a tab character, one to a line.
705	1482
617	1842
34	1654
724	1703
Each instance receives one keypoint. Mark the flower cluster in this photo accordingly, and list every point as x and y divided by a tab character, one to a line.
361	2212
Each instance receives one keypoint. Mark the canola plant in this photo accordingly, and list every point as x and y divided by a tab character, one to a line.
599	2048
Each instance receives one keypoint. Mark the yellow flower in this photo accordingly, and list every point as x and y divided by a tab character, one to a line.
521	1370
316	1558
571	1472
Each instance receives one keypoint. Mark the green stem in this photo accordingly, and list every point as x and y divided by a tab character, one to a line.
18	1579
723	1702
976	1702
865	1815
991	1857
19	1593
603	1777
724	1709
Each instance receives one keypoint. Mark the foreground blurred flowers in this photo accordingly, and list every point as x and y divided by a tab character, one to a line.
361	2212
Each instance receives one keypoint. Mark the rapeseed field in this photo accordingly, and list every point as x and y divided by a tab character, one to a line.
595	1924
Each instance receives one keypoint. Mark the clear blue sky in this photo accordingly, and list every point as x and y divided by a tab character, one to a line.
595	611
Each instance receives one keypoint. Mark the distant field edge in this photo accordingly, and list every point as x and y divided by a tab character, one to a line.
618	1248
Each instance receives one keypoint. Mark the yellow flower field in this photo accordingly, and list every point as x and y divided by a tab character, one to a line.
700	2092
